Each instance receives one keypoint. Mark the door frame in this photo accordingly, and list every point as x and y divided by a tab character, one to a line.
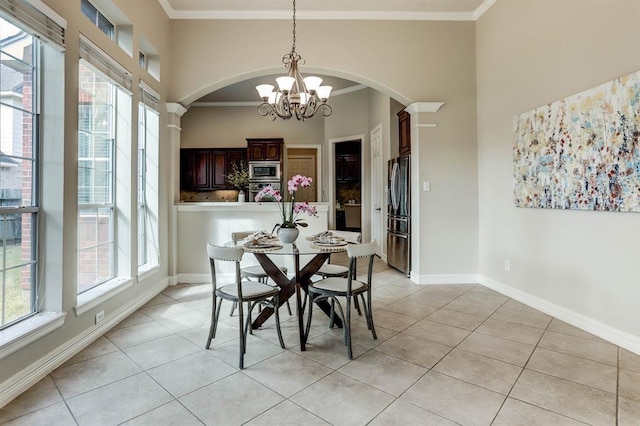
381	246
318	148
331	160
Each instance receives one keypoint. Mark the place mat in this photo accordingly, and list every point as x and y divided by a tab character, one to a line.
331	247
261	248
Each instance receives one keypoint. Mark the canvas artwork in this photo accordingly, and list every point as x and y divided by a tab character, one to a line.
581	152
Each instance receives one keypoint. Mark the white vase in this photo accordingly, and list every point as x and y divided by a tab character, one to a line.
241	198
288	235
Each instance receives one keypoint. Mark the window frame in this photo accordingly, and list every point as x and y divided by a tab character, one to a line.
33	209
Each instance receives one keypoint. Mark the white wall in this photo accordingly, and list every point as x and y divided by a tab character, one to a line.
530	53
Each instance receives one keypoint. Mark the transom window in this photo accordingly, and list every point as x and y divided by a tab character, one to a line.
99	20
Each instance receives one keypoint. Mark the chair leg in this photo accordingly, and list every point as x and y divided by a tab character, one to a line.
333	313
276	302
347	328
214	321
233	307
242	335
308	327
249	316
357	305
369	312
289	308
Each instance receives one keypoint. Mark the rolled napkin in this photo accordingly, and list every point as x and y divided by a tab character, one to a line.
260	239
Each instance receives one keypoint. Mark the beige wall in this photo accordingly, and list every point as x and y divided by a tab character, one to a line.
150	21
423	61
204	127
530	53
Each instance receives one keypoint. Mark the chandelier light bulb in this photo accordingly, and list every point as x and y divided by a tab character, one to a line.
264	90
312	83
323	92
285	83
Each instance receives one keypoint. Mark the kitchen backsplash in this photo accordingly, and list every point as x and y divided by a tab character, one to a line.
227	195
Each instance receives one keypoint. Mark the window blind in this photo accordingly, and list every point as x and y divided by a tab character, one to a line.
43	26
149	97
105	64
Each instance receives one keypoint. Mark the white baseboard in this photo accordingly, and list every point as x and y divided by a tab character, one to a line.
32	374
613	335
194	278
445	279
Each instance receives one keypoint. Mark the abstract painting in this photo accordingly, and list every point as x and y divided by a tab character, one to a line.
581	152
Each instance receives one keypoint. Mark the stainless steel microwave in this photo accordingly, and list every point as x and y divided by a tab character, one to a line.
264	171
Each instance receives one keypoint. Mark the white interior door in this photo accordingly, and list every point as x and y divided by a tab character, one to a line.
376	187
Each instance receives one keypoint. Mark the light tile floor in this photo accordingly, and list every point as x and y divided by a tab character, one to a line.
445	355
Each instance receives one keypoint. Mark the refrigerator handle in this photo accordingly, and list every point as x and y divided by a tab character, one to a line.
394	176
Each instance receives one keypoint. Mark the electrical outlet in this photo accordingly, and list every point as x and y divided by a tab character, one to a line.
426	186
99	317
507	265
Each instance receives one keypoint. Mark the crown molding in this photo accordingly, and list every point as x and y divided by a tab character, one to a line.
327	14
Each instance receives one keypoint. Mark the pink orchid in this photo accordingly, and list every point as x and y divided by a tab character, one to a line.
290	210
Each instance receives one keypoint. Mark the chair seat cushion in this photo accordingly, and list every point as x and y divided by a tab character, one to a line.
329	269
337	285
257	271
250	290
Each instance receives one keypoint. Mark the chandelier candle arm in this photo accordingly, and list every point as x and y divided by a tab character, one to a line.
296	96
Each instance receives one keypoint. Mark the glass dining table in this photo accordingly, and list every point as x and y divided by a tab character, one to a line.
313	256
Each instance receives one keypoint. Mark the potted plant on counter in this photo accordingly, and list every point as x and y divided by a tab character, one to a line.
239	178
288	229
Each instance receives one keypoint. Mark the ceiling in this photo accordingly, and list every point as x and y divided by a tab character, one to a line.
468	10
244	92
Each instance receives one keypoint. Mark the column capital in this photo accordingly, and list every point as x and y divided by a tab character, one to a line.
423	107
175	108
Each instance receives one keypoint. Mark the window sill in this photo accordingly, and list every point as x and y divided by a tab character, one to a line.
25	332
147	270
94	297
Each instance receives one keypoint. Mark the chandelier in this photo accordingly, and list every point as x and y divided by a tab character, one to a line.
296	96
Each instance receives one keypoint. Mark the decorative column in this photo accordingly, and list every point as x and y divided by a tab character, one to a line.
419	133
176	111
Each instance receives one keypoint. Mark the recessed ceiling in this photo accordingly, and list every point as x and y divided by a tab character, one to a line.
327	9
245	91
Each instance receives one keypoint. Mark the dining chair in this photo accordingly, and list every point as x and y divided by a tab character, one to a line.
328	269
256	271
349	287
252	292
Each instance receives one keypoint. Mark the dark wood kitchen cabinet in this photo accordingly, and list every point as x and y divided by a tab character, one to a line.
347	168
206	169
265	149
404	126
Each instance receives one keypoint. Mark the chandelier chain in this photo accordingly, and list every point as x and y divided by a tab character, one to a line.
293	49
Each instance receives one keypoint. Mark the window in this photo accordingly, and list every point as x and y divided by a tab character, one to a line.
104	170
19	91
97	18
148	145
96	139
142	60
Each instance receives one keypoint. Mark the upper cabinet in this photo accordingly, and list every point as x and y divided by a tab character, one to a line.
207	169
347	167
404	125
265	149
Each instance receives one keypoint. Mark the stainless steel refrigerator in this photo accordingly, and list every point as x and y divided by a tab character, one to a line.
399	215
